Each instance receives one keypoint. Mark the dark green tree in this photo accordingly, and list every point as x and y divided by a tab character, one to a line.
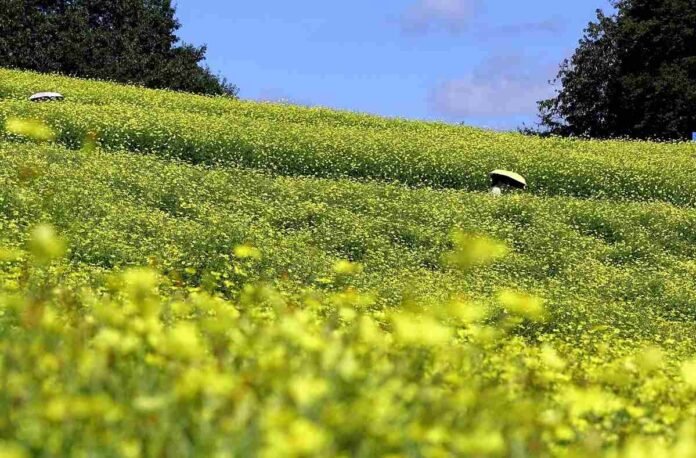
131	41
633	75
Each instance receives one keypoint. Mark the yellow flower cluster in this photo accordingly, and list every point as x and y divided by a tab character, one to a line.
299	141
159	307
134	371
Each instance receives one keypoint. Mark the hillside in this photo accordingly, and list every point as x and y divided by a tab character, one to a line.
322	283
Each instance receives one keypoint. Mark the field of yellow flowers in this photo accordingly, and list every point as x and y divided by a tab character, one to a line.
192	276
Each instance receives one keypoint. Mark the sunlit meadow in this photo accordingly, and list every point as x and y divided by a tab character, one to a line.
192	276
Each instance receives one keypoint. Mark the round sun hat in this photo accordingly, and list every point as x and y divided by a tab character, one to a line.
46	96
509	178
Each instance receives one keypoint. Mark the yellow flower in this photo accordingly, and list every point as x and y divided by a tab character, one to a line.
247	252
150	403
688	372
344	267
9	254
141	287
306	390
32	128
300	438
551	358
420	330
650	358
522	305
473	250
12	450
45	244
466	312
182	341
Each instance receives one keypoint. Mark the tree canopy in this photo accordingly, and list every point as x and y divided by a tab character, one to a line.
633	75
131	41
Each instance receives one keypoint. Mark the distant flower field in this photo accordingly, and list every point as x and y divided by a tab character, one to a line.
192	276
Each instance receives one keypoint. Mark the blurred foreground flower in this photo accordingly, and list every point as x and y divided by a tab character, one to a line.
420	330
344	267
688	372
12	450
522	305
141	286
183	342
473	250
45	244
32	128
247	252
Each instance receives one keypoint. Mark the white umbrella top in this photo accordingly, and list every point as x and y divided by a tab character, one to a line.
509	178
44	96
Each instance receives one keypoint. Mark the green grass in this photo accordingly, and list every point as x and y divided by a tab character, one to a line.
250	333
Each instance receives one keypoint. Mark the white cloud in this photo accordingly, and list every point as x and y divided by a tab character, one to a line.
504	97
459	9
507	86
550	26
458	16
451	15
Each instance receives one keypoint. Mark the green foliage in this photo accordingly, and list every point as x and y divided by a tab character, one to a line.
632	75
131	41
152	307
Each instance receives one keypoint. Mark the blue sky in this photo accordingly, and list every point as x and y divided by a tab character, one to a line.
482	62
